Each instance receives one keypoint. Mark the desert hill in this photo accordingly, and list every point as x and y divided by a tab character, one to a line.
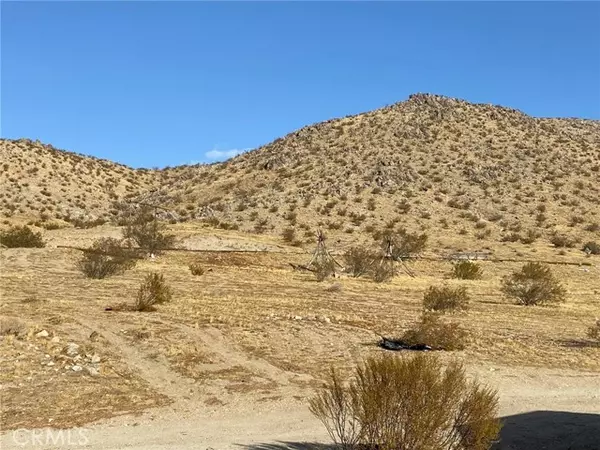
434	163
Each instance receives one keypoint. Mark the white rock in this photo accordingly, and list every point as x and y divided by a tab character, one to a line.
95	359
72	349
93	372
51	363
43	334
55	339
76	368
297	317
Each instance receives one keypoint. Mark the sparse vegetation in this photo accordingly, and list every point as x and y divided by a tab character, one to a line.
433	332
358	261
446	298
196	268
21	237
409	404
467	270
594	331
534	284
591	248
106	257
148	232
153	291
405	244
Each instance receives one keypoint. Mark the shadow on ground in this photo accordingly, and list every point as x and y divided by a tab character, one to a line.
551	430
538	430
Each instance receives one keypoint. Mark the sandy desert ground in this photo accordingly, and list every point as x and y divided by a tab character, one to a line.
232	360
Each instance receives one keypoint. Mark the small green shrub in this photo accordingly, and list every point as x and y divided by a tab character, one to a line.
446	298
153	291
196	269
414	403
467	270
21	237
534	284
591	248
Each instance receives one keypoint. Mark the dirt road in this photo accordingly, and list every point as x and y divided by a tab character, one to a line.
543	409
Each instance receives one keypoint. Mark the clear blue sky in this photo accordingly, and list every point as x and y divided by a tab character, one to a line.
163	83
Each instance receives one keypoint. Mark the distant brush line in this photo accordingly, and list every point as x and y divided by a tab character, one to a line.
425	258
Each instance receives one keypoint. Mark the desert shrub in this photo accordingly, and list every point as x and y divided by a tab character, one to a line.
382	270
530	237
21	237
196	268
592	248
104	258
594	331
148	232
446	298
562	241
407	404
467	270
153	291
12	326
405	244
435	333
289	234
323	269
534	284
358	261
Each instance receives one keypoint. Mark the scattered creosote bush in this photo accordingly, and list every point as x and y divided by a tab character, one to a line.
106	257
382	270
594	331
534	284
323	269
414	403
21	237
591	248
563	241
446	298
358	261
405	244
433	332
467	270
148	232
196	269
153	291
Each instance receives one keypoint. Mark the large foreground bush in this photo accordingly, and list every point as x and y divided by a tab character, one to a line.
106	257
21	237
408	404
534	284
